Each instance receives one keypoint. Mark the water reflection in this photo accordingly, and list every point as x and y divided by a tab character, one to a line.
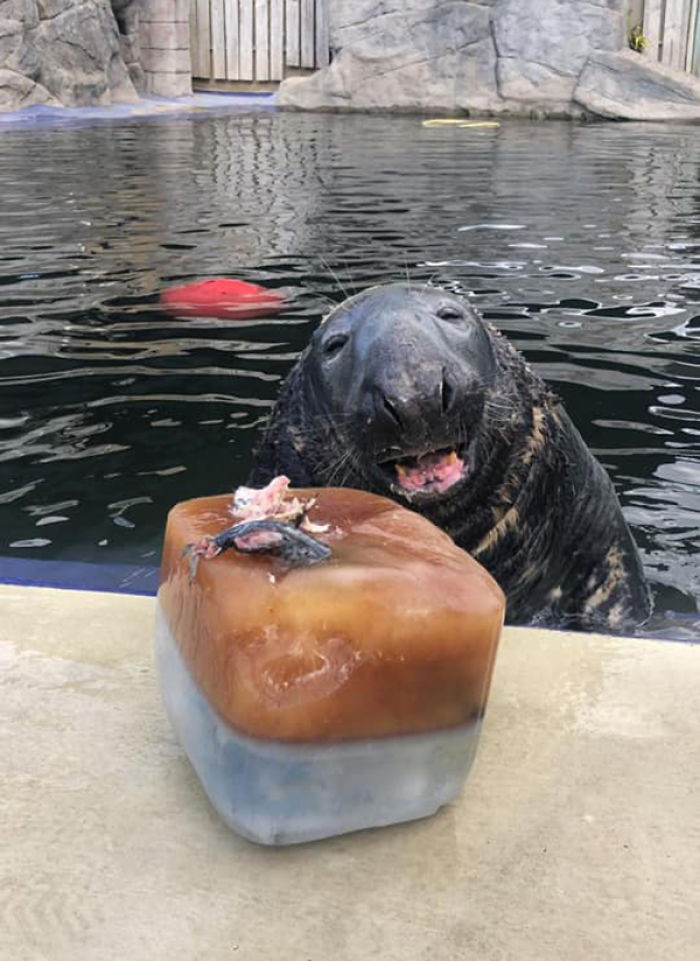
581	242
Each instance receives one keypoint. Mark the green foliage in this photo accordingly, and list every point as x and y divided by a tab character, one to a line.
636	39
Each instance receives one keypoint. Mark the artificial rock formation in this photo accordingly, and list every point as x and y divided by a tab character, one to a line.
536	58
61	51
540	58
92	52
623	85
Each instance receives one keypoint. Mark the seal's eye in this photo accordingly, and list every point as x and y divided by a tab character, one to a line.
333	346
449	312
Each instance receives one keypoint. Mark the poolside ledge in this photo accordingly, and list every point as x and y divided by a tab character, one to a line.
577	837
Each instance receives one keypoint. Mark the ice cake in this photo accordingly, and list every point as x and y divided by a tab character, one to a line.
316	699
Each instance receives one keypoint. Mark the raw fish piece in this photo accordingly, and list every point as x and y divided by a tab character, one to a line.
274	503
266	520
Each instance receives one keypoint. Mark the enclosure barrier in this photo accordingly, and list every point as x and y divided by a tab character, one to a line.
671	29
257	40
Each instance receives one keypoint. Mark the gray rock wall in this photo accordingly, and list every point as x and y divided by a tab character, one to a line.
96	52
520	57
542	46
61	51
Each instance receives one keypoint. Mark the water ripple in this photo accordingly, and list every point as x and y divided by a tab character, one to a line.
581	242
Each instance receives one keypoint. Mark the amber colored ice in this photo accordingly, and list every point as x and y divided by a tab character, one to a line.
395	634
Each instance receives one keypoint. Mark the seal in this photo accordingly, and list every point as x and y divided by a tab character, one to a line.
404	390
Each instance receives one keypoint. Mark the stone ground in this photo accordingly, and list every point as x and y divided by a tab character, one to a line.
577	836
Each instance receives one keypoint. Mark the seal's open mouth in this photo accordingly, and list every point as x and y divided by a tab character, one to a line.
433	472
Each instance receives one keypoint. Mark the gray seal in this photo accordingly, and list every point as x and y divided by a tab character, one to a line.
404	390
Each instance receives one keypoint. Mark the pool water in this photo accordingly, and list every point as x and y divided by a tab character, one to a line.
582	242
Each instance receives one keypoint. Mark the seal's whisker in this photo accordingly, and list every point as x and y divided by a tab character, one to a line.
502	411
345	463
314	419
329	470
335	276
335	469
352	464
348	276
505	412
329	300
499	418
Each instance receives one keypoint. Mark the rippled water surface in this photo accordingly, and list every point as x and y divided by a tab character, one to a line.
581	242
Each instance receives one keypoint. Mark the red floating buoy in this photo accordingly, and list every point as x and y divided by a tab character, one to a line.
222	297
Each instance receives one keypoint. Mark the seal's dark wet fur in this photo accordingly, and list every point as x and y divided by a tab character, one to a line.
401	370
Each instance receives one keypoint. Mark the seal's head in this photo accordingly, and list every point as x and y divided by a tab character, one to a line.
405	391
403	371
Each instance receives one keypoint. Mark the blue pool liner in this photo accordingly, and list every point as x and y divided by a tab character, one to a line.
149	108
80	576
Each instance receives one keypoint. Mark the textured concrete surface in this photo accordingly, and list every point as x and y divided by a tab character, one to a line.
578	834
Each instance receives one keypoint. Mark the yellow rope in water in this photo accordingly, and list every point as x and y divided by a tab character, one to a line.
457	122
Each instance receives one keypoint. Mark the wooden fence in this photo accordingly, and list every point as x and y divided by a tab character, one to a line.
672	30
257	39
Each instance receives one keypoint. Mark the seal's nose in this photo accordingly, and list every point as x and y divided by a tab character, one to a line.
386	410
448	393
413	407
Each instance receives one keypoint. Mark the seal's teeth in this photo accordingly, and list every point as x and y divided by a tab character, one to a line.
452	457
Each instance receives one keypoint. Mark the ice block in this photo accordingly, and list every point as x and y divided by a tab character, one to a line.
321	699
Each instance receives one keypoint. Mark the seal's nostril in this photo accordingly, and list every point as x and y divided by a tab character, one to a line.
446	393
391	410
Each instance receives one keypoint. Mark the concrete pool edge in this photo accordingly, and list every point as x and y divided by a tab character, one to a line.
577	834
143	579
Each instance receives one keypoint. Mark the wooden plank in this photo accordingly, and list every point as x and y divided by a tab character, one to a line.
246	39
652	28
673	53
232	39
690	35
292	35
695	40
688	30
203	39
276	39
685	34
194	55
307	34
218	40
322	37
262	40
